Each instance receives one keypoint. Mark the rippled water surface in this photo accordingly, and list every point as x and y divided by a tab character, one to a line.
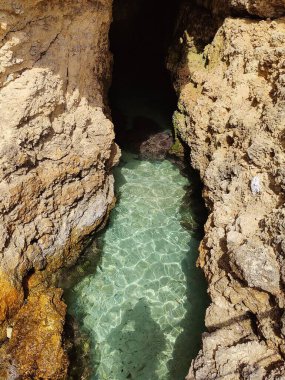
143	307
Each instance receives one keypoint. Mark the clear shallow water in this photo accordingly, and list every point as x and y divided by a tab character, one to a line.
143	308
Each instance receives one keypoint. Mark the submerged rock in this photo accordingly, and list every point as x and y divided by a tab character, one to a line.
145	138
157	146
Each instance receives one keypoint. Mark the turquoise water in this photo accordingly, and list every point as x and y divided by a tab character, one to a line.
143	305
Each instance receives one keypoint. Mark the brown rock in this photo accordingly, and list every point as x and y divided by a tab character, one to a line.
56	154
261	8
11	299
57	142
35	349
229	75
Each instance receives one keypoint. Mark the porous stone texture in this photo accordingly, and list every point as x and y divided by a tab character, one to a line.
258	8
230	75
56	153
35	349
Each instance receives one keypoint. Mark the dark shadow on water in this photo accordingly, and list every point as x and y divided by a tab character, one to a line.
188	343
138	340
79	342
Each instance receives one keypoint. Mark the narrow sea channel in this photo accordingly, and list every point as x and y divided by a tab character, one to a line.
143	306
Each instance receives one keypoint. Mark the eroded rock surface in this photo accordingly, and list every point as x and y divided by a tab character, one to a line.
56	152
35	349
260	8
57	149
230	74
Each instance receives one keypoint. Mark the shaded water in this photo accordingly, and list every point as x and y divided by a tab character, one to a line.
144	307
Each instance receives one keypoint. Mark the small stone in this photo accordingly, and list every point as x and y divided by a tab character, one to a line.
9	332
255	185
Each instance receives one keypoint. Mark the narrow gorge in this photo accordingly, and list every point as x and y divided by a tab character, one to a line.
112	112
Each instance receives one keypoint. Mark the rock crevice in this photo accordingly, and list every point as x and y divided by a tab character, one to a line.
57	150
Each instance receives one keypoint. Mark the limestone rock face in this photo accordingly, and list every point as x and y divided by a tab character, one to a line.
229	74
56	146
261	8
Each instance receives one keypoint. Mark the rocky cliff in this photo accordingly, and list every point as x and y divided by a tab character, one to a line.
56	151
229	72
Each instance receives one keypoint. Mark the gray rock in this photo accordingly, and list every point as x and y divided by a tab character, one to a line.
257	266
255	185
156	146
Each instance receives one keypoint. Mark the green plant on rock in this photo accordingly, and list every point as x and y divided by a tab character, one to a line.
177	148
